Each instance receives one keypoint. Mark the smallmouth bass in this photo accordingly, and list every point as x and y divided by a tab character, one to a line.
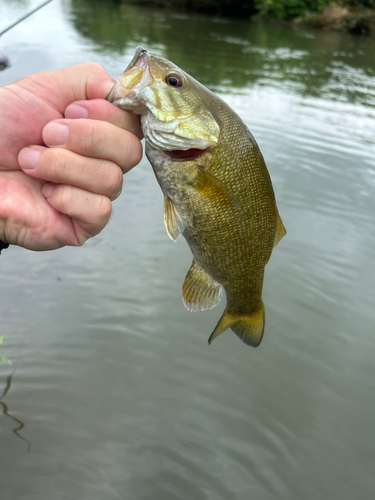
217	190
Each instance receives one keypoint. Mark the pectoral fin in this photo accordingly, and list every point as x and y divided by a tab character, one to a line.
211	187
174	224
280	230
249	327
200	291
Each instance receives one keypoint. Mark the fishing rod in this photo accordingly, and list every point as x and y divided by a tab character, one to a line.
24	17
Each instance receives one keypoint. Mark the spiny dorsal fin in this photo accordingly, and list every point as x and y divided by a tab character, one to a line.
280	230
249	327
174	224
200	291
211	187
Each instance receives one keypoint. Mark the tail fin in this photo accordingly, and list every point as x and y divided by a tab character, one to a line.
249	327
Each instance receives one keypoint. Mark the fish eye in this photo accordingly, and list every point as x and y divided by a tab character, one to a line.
173	80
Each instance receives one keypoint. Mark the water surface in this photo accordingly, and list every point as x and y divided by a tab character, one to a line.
118	392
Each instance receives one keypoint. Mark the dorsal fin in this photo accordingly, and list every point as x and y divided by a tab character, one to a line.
280	230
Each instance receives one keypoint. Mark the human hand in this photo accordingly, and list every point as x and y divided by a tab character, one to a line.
63	151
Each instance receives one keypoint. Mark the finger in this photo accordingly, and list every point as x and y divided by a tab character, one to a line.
63	86
95	139
99	109
89	212
62	166
39	98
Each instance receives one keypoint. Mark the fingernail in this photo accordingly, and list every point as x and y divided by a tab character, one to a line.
74	111
55	134
28	158
47	190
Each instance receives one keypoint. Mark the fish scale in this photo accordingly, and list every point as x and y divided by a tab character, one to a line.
219	196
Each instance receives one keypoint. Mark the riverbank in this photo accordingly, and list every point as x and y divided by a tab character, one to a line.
352	17
357	20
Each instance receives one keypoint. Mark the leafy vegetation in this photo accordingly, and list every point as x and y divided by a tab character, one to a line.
3	358
287	9
281	9
236	8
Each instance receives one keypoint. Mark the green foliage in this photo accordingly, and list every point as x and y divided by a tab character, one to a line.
281	9
286	9
3	358
230	8
360	3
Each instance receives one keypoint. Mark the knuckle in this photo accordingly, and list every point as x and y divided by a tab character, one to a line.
93	67
54	159
84	136
91	138
105	208
66	195
133	152
137	151
113	180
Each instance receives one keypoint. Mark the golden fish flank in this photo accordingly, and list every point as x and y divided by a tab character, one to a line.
217	190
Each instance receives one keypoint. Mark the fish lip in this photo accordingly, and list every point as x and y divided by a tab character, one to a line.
121	97
126	98
138	52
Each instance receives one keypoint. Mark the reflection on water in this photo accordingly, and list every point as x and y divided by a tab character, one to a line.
236	54
121	395
20	425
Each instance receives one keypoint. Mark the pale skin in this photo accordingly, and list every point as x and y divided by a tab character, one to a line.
63	152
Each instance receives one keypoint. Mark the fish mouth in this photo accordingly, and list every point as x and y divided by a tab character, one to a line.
135	77
185	154
139	51
164	130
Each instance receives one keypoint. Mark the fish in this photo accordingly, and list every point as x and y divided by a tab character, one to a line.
217	190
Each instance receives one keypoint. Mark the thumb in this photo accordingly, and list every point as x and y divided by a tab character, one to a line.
74	83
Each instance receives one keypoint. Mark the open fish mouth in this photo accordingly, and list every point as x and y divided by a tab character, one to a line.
135	77
139	51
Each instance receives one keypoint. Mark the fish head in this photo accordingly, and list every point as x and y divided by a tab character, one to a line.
173	115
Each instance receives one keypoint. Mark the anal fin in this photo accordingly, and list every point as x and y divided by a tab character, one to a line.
248	327
199	291
174	224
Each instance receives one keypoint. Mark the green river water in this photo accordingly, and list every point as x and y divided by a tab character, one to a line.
115	394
